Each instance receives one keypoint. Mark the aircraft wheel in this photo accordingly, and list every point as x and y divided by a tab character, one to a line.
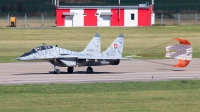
89	70
57	71
70	69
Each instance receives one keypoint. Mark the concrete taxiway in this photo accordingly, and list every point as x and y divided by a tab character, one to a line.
131	70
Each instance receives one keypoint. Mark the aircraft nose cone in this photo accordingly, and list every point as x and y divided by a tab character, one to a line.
19	58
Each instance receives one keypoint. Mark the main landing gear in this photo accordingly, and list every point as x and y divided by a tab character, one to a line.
70	69
89	70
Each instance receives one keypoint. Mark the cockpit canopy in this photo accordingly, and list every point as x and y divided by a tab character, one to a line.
40	48
37	49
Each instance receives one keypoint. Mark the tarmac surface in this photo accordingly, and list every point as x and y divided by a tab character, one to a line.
131	70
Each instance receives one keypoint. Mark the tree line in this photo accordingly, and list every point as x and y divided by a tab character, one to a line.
30	7
35	7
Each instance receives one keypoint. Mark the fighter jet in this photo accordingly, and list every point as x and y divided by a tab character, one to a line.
90	56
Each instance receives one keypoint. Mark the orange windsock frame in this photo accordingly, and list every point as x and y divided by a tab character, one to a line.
182	63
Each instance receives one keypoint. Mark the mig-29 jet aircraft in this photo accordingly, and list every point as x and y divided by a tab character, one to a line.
90	56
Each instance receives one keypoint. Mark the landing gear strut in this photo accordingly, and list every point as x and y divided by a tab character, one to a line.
56	71
70	69
89	70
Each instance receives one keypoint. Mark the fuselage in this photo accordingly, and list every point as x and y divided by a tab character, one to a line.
65	58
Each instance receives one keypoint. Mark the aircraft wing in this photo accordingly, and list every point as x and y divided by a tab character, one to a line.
83	57
50	57
60	57
101	57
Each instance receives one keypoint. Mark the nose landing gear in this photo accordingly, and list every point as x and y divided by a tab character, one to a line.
57	71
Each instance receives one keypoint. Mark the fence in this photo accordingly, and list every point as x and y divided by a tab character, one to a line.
29	21
49	21
177	19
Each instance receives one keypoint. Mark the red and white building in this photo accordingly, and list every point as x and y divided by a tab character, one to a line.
99	16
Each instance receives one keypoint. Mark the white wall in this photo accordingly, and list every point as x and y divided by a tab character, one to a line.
68	21
127	17
99	18
153	18
78	19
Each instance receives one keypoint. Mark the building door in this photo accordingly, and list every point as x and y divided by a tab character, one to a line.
90	18
68	21
106	20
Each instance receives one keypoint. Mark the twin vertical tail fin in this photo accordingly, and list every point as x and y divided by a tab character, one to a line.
94	46
115	50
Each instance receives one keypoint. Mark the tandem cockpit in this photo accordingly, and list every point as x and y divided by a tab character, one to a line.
35	50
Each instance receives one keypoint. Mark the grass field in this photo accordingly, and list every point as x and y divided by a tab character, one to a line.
169	96
16	41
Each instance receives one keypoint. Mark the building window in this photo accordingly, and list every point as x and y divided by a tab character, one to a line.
132	16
